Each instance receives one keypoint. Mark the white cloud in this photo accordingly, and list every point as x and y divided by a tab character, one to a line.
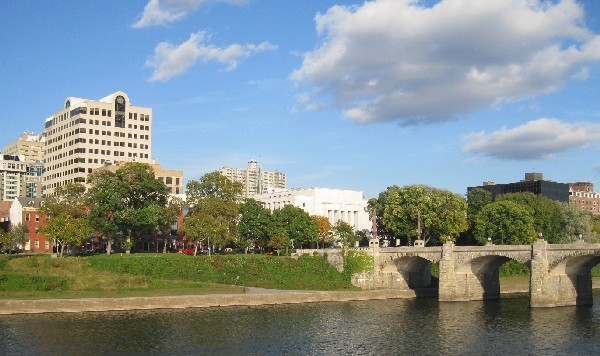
538	139
397	60
163	12
170	61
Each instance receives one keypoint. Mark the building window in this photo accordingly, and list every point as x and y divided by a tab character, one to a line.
27	217
37	217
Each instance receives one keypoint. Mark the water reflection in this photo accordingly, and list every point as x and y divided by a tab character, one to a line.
407	326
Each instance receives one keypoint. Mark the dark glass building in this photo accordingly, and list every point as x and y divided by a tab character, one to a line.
534	183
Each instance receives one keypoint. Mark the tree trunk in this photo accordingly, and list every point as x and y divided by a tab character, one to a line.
109	246
196	248
165	245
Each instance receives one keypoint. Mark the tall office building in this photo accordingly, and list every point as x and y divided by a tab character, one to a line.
86	134
29	145
254	179
534	183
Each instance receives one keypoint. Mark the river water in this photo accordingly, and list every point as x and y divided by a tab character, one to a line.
389	327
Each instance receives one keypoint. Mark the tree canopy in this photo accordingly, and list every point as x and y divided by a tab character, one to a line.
214	209
297	224
255	225
506	223
66	216
128	202
443	213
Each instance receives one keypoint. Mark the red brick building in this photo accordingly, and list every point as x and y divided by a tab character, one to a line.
583	195
27	212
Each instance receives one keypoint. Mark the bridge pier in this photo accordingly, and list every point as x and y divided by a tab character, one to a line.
567	283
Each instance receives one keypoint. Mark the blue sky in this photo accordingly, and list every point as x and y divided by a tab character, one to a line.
337	94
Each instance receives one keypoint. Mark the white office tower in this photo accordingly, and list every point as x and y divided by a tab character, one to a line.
87	134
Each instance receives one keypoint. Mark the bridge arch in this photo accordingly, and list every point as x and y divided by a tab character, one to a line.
573	276
482	275
411	271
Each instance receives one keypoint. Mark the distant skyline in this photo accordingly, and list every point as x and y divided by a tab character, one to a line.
336	94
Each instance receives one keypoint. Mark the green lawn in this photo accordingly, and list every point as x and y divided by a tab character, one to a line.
34	277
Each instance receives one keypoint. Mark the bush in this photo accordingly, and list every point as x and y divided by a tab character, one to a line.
513	268
358	262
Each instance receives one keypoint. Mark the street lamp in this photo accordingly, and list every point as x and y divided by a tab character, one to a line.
580	237
540	236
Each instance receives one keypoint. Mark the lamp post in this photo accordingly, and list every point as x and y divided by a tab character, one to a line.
580	235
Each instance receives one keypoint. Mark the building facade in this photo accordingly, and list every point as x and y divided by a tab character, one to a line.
29	145
12	172
254	179
349	206
86	134
534	183
582	194
27	211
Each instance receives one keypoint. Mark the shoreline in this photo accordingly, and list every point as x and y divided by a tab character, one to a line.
254	297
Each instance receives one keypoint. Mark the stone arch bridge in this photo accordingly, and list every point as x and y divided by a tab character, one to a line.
560	273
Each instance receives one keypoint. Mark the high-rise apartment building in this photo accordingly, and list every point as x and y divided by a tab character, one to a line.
86	134
254	179
12	171
29	149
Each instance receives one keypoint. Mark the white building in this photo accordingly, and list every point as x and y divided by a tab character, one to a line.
349	206
12	172
254	179
86	134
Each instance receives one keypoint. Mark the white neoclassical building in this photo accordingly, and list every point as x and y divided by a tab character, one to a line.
335	204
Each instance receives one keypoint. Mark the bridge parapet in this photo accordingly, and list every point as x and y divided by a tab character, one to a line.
464	255
558	253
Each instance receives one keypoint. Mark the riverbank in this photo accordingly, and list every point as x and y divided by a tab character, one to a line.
252	297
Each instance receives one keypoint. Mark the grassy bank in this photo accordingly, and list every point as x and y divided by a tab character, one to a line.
32	277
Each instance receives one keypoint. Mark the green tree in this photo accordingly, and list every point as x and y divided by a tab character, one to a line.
547	213
506	223
168	219
476	199
255	224
576	221
443	213
345	232
66	216
298	225
17	235
126	203
213	185
279	239
323	229
213	201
